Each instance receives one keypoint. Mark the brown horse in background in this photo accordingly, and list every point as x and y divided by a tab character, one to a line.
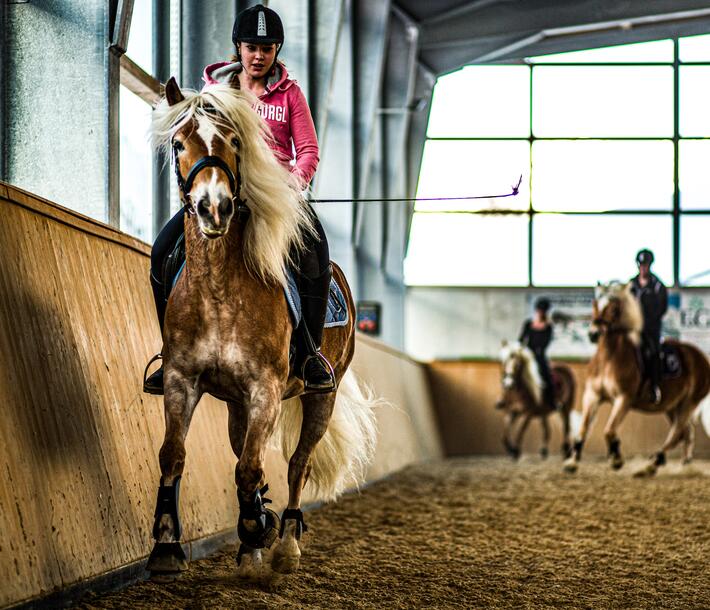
523	398
615	376
228	331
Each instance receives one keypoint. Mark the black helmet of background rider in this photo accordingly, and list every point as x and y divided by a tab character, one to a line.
258	25
644	257
542	304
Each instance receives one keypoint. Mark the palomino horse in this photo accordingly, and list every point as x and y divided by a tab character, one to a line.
614	375
523	397
228	330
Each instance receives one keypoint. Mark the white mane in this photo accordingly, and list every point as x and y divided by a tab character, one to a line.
278	214
631	313
530	372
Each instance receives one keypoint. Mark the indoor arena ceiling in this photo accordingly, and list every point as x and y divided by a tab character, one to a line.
453	33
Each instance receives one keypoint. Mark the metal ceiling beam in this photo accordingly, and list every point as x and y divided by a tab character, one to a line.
464	9
591	28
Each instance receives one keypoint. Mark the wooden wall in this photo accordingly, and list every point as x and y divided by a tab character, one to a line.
78	438
464	396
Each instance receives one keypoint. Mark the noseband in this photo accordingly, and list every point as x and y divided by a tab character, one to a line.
185	184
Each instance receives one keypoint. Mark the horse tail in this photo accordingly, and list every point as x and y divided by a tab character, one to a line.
341	457
702	414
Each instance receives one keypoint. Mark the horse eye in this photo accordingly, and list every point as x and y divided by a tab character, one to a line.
235	143
178	146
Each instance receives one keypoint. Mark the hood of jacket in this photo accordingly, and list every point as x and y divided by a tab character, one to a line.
223	71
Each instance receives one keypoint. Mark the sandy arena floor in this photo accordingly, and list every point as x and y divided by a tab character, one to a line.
482	533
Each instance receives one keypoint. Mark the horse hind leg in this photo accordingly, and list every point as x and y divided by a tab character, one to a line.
317	410
688	443
677	432
167	559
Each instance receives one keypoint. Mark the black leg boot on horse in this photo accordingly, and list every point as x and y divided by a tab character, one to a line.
166	259
154	383
316	372
313	275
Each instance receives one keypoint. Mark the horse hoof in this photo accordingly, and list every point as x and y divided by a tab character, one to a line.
287	557
617	463
250	563
686	461
648	471
544	453
166	562
570	465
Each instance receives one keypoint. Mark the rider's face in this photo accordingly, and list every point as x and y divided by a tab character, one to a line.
644	269
257	59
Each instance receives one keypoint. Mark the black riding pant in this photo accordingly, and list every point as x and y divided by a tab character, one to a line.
651	349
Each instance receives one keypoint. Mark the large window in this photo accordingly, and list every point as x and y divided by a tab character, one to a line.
613	145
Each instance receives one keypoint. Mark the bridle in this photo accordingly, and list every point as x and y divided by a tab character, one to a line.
185	184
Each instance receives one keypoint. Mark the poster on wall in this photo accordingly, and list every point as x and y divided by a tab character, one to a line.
570	313
691	318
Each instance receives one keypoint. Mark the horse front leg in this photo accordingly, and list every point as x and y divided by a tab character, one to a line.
590	405
618	412
257	525
515	452
508	422
167	559
566	432
317	410
545	450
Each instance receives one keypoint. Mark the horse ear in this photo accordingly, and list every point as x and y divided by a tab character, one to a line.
172	92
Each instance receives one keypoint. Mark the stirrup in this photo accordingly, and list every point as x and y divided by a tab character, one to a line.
331	386
158	356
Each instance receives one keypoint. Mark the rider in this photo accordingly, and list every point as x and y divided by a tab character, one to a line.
653	298
536	335
258	35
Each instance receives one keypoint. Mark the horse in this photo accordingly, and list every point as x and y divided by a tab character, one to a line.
228	332
522	396
615	376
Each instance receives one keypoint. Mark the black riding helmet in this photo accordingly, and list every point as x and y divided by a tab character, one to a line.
542	304
644	257
258	25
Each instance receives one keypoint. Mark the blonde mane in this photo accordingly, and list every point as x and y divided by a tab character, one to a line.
530	372
631	313
279	215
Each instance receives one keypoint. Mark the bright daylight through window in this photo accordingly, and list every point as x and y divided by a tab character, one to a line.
598	142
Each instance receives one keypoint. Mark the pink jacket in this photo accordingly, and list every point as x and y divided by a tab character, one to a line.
285	110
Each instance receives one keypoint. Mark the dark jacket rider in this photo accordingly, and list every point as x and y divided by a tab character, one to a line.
536	335
653	298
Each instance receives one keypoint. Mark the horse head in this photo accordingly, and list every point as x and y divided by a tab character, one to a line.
205	153
614	309
223	162
519	370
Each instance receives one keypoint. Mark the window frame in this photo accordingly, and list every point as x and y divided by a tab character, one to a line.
675	212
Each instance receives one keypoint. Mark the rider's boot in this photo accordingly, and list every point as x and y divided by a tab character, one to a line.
154	383
317	372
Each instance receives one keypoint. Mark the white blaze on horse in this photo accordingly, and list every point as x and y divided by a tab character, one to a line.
228	331
523	397
615	376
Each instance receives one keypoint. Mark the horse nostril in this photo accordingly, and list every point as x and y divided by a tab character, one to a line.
226	207
202	206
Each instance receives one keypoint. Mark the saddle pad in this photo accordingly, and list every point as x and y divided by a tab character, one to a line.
336	315
671	365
